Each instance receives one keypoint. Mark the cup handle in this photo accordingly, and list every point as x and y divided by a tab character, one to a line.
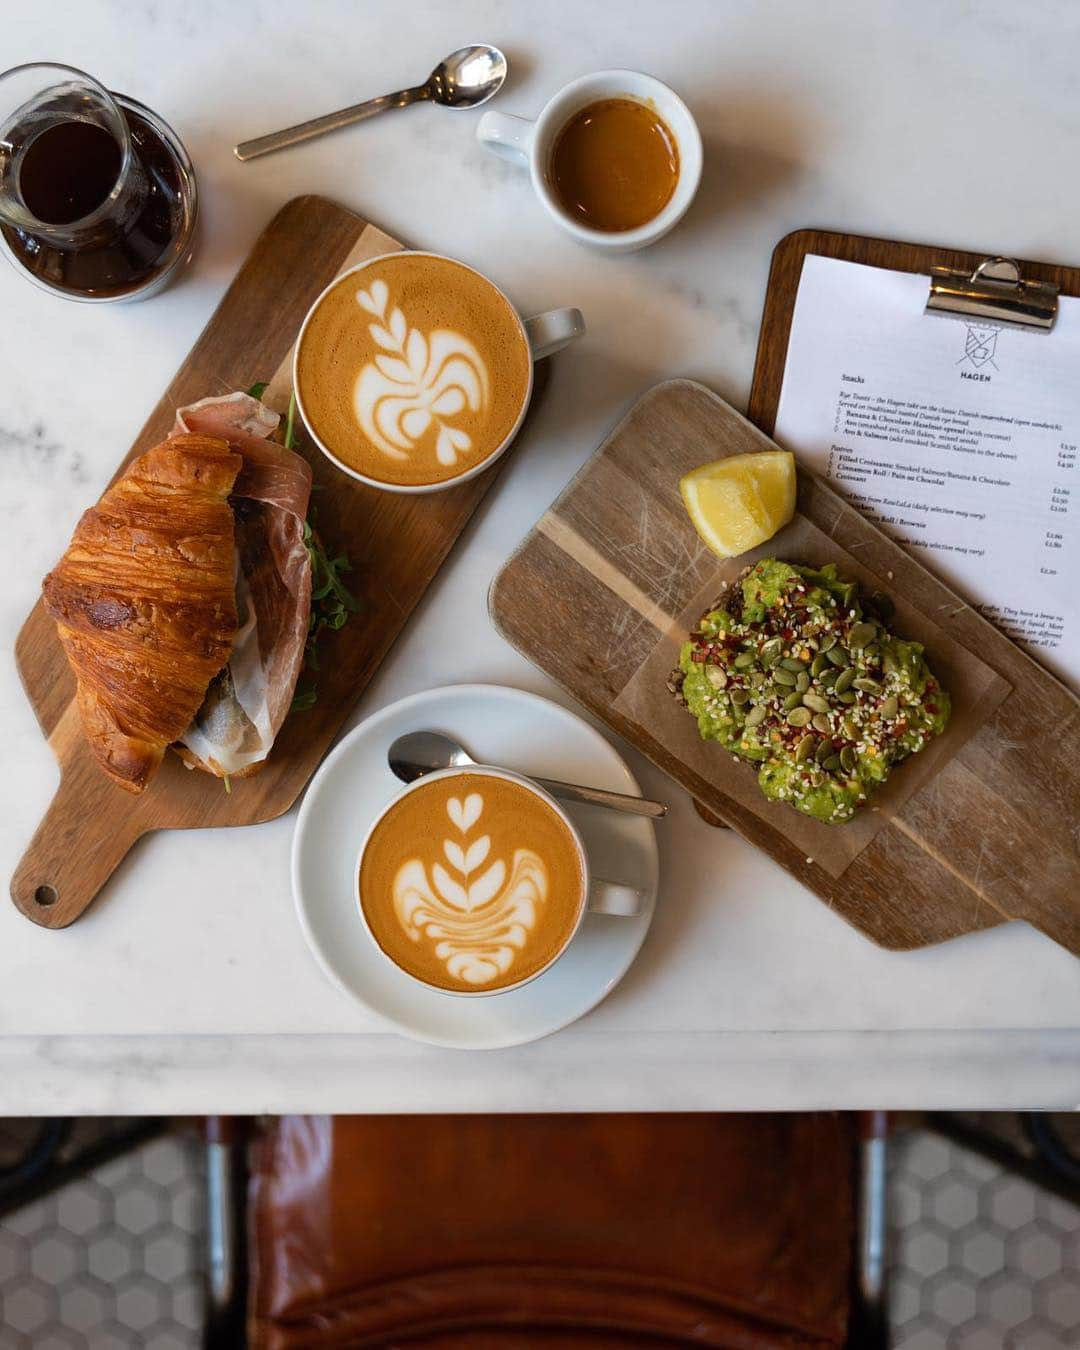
553	330
610	897
508	136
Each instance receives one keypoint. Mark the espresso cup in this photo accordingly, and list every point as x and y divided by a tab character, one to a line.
454	907
413	372
532	144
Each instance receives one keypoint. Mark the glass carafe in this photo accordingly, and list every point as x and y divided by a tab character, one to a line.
97	195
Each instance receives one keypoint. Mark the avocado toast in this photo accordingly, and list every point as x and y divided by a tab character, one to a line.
793	669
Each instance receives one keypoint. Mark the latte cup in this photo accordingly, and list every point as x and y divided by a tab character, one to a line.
531	144
598	896
543	335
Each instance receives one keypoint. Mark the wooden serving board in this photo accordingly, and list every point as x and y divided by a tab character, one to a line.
615	563
396	543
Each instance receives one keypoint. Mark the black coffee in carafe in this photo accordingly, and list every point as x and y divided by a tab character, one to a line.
97	195
67	171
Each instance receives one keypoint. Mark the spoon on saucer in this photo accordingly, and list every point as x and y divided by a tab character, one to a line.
465	79
420	752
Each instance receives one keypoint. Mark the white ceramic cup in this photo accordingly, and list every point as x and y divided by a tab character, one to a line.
597	896
545	333
531	144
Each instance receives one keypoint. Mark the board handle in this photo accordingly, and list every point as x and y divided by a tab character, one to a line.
84	835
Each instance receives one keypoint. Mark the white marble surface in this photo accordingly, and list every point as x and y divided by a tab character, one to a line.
188	986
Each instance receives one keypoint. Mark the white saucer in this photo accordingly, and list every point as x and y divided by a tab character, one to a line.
498	726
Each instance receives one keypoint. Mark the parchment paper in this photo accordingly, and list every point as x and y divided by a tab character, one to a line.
976	690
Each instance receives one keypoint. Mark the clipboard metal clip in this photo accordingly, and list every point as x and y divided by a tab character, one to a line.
995	293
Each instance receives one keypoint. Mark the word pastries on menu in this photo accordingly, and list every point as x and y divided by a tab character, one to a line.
959	438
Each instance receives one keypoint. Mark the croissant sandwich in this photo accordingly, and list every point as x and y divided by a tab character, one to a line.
184	597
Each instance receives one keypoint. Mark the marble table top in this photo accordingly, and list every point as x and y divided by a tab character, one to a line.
913	122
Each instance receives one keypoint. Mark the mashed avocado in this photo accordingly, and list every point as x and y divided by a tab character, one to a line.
799	674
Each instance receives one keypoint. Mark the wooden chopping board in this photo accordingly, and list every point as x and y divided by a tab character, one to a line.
609	567
396	543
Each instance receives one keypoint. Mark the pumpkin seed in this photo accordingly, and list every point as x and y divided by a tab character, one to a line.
744	660
757	678
804	749
889	663
798	717
816	702
851	731
739	697
824	750
821	723
838	656
817	778
756	715
848	758
828	678
890	707
818	664
793	700
844	679
802	682
771	651
832	763
867	685
848	696
861	634
782	676
792	663
829	640
716	677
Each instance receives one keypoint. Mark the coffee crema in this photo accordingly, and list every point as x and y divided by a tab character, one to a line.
615	165
413	370
471	883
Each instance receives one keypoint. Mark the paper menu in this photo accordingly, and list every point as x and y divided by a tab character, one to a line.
960	439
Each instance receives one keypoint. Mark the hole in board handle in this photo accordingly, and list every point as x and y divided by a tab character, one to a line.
45	896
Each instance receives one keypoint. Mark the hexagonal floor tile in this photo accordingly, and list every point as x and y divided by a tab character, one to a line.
1061	1304
927	1156
82	1207
166	1256
1038	1254
25	1307
138	1307
165	1162
138	1206
54	1259
1012	1203
954	1301
13	1256
83	1307
1009	1303
955	1204
925	1252
983	1254
109	1257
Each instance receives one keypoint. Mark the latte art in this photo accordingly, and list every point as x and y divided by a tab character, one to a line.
477	920
471	882
416	382
413	369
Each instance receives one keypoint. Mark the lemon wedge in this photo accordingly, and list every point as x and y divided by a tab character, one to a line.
739	502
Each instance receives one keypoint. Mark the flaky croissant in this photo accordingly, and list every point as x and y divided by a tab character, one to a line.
144	601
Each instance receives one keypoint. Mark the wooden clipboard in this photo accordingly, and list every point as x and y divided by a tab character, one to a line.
786	270
783	288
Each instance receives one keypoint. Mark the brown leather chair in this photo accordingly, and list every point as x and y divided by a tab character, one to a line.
600	1231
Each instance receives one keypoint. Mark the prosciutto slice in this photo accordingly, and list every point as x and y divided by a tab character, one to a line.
247	702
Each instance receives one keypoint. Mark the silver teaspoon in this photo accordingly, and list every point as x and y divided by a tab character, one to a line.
421	752
465	79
